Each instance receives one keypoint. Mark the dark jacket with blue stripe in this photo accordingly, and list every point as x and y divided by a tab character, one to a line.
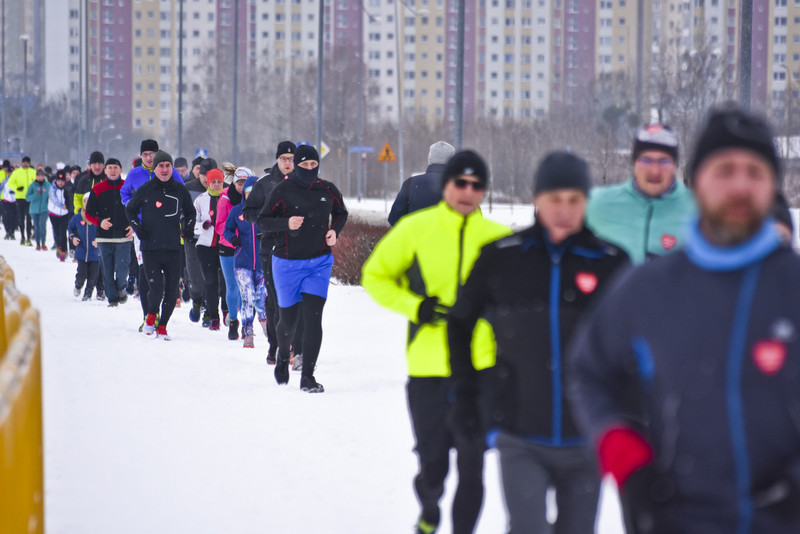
700	350
533	293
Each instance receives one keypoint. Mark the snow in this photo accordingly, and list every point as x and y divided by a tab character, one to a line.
194	435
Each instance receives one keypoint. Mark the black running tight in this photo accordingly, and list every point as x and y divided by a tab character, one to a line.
311	309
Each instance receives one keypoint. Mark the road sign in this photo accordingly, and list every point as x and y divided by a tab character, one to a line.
201	153
387	154
323	149
361	148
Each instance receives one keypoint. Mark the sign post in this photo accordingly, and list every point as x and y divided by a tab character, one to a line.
363	150
386	156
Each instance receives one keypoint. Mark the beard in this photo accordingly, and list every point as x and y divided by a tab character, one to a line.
722	228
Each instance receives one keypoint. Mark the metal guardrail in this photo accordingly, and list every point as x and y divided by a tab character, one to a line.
21	443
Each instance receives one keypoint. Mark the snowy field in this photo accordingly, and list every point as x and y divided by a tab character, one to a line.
194	435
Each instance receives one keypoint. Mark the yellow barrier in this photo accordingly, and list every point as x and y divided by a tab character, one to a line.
21	446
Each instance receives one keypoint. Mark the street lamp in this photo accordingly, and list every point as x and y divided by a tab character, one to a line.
24	38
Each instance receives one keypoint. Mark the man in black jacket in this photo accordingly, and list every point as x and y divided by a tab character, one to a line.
114	234
687	375
423	190
256	200
155	212
533	287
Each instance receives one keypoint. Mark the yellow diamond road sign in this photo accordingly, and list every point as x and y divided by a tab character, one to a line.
323	149
386	154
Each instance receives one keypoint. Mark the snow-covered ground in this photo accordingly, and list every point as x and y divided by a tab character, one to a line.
194	435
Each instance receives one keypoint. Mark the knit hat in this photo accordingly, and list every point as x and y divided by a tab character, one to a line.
561	170
113	161
59	165
148	145
655	137
197	161
242	173
161	156
305	153
26	159
248	185
6	164
440	152
207	164
96	157
181	162
735	128
466	162
85	197
285	147
61	175
215	174
39	172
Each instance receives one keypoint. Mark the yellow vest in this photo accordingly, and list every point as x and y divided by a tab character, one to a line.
420	257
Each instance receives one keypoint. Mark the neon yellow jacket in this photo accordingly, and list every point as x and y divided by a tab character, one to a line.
20	179
420	257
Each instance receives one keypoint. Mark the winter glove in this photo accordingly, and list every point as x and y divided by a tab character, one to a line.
236	241
430	310
465	418
206	225
623	451
20	188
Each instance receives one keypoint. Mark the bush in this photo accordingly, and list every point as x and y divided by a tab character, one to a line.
352	249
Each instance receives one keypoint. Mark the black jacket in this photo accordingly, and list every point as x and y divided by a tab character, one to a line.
533	293
256	201
155	212
323	208
105	202
418	192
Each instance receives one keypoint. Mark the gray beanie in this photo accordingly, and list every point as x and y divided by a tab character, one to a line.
440	152
161	156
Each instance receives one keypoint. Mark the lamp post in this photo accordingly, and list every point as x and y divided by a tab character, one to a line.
3	78
24	38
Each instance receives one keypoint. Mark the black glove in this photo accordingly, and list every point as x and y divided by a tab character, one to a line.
20	188
206	225
430	310
465	418
236	240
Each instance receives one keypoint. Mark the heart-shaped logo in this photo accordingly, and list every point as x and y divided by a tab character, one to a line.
158	203
83	222
241	217
211	213
769	356
668	241
586	282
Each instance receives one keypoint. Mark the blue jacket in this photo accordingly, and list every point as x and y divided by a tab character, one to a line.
138	176
38	195
249	249
699	350
87	232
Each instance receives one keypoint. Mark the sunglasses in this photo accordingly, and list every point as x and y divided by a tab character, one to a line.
661	162
461	183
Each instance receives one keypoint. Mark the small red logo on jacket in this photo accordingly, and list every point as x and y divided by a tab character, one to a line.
586	282
668	241
158	203
769	356
241	217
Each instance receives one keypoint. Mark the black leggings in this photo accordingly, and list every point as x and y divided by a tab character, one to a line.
163	270
60	230
209	265
24	219
311	308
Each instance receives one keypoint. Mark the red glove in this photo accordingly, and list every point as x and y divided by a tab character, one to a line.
623	451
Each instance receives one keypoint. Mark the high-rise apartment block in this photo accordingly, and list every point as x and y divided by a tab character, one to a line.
522	58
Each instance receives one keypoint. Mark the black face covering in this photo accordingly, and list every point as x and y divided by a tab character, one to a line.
306	176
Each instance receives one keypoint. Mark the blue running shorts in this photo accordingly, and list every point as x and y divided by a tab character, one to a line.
294	277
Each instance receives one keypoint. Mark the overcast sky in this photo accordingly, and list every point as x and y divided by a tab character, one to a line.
56	49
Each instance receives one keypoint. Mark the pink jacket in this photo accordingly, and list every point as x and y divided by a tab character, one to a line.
223	209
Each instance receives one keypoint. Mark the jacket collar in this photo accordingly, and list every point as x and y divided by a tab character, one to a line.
711	257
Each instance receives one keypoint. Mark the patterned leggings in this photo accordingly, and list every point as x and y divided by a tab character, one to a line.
253	291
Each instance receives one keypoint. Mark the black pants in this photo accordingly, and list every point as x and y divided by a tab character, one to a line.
193	274
143	286
311	310
270	304
87	272
163	272
212	278
429	408
133	266
24	219
10	217
60	224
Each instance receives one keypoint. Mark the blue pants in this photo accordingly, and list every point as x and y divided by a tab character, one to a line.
232	296
114	264
40	226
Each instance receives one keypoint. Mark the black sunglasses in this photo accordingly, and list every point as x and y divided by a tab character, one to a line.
461	183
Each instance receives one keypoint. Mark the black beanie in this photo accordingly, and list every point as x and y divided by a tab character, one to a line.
113	161
305	153
655	137
466	162
181	162
161	156
207	164
562	170
285	147
735	128
148	145
26	159
96	157
196	161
